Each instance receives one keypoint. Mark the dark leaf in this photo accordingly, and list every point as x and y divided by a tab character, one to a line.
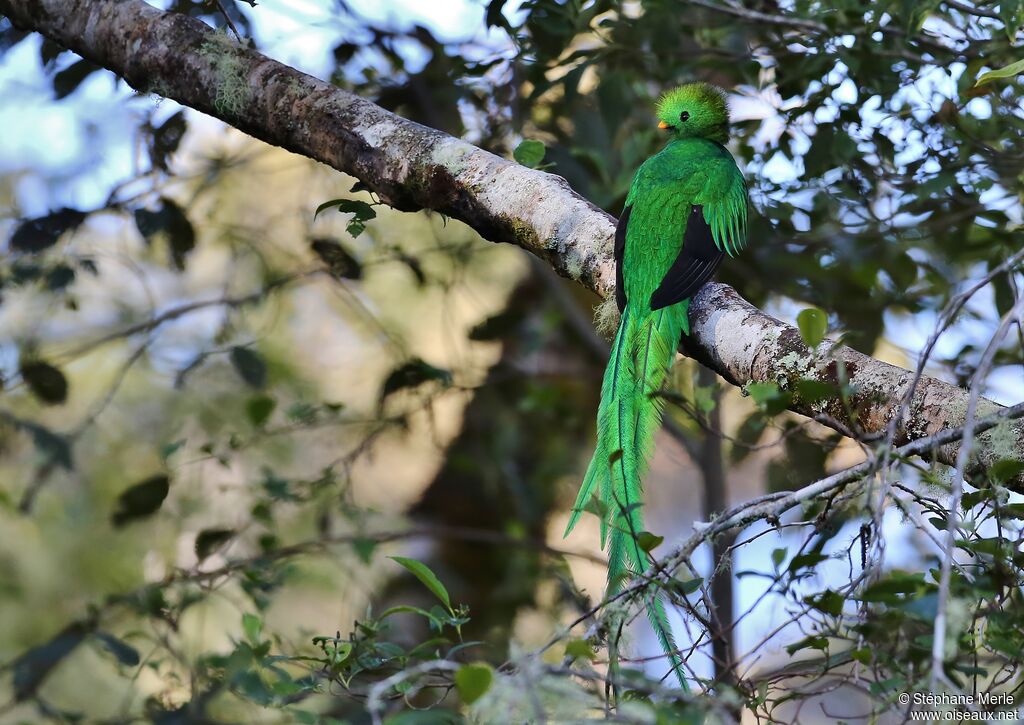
496	326
124	652
166	138
33	667
209	540
59	277
259	408
67	80
52	446
250	366
495	18
412	374
171	221
340	263
45	381
414	266
49	51
35	235
141	500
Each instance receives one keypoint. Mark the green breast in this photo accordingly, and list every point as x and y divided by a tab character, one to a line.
665	187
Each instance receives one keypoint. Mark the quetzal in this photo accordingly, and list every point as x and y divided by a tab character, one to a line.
686	209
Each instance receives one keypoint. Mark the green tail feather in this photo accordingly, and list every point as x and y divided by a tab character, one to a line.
627	420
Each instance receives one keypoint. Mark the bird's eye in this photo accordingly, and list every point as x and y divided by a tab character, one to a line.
684	116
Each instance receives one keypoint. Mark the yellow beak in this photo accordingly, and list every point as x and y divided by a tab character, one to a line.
662	124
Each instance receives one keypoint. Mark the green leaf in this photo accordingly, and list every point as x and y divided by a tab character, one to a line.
473	681
259	408
422	572
250	366
1011	12
252	625
362	212
814	391
209	540
769	397
124	652
169	449
580	649
35	235
890	589
805	561
813	324
1004	72
810	642
687	587
437	622
326	205
529	153
648	541
141	500
778	556
436	716
828	601
704	397
862	655
917	12
762	392
45	381
1005	469
364	549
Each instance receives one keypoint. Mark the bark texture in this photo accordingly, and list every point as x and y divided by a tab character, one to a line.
414	167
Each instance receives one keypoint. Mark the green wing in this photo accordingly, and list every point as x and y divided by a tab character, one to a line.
715	226
724	199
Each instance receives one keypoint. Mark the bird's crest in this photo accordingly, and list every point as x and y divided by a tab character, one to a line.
695	110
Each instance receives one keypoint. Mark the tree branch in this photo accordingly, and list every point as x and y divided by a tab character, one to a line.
414	167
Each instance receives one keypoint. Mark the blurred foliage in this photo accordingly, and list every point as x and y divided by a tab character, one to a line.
230	393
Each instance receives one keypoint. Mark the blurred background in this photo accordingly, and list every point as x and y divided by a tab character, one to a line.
221	414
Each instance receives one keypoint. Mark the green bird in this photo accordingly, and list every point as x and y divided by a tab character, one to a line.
686	209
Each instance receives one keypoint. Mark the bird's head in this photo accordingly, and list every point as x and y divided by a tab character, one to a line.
696	110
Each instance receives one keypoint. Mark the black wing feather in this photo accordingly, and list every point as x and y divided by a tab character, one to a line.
696	263
620	252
